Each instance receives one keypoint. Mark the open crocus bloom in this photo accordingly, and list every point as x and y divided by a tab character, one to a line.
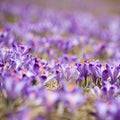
107	110
13	87
73	97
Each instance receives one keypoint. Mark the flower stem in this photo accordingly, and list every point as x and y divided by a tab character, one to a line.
85	82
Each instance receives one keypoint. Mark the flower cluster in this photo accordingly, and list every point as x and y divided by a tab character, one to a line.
55	64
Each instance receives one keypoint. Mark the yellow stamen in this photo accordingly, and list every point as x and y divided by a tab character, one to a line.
5	66
71	65
71	86
90	60
37	56
43	71
104	65
5	48
82	61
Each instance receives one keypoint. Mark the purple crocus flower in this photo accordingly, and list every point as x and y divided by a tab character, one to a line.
115	74
70	72
35	95
111	73
13	86
107	110
73	97
94	71
50	99
109	90
6	38
84	71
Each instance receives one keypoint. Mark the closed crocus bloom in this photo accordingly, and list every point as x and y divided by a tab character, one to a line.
111	74
109	91
115	74
106	73
94	71
84	71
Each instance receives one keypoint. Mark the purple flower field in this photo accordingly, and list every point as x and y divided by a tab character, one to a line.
58	65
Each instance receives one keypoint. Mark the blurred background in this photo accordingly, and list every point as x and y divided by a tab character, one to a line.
97	7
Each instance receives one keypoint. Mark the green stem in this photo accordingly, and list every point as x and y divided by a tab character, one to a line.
85	81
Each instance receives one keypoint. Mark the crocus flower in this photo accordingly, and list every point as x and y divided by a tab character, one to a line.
50	99
107	110
94	71
111	73
70	72
73	97
109	90
84	71
13	86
